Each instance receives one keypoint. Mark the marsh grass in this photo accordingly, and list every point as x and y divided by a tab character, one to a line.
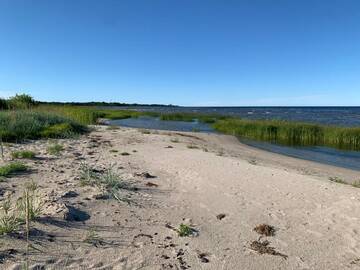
55	149
23	154
12	169
292	133
25	124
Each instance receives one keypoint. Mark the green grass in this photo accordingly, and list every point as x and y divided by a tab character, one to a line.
23	154
26	124
292	133
8	220
12	169
107	181
55	149
184	230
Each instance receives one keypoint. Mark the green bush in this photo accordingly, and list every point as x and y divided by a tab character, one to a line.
21	101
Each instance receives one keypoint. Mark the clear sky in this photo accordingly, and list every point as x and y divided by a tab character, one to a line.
185	52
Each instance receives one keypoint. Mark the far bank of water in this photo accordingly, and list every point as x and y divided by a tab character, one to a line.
325	155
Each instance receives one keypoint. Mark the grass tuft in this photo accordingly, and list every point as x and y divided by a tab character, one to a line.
184	230
12	169
23	154
55	149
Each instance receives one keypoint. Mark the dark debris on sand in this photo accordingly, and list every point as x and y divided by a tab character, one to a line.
264	248
265	229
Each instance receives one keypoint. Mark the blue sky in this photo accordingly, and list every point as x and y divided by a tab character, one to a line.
188	52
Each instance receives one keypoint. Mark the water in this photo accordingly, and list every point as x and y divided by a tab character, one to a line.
325	155
155	123
340	116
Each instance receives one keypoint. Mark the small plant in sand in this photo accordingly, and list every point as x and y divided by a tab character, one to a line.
23	154
12	169
125	154
92	238
8	220
145	131
113	151
55	149
87	175
175	140
108	182
337	180
356	184
112	128
184	230
192	146
29	204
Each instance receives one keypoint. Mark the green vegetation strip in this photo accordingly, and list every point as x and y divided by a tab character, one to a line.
292	133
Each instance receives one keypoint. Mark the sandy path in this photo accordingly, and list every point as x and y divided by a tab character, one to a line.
316	220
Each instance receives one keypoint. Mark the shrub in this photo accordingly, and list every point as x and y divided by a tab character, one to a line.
21	101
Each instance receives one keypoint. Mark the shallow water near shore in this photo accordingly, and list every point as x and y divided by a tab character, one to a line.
324	155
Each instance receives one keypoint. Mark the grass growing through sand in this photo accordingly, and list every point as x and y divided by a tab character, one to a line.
24	154
8	220
12	169
184	230
55	149
108	181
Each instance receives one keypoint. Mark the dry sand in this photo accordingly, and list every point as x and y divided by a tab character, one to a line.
219	187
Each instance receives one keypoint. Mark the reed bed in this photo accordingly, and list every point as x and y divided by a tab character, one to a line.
292	133
26	124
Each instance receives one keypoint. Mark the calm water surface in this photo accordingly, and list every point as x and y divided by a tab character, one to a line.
341	116
325	155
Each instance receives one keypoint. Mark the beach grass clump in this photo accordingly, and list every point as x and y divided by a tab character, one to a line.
292	133
55	149
192	146
23	154
29	204
184	230
338	180
12	169
108	181
9	221
25	124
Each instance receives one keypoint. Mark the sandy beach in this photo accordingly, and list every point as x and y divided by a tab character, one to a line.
220	188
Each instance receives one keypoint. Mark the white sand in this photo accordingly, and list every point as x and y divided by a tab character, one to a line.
316	220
